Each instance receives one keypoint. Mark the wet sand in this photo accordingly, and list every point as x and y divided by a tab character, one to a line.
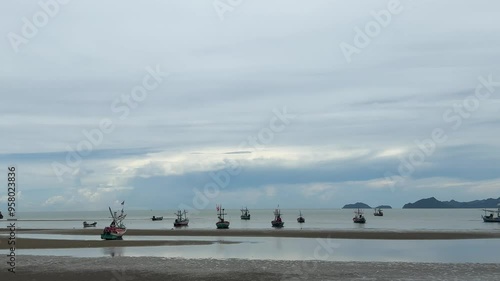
334	234
152	269
29	243
26	243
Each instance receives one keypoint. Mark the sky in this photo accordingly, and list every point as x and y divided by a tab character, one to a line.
305	104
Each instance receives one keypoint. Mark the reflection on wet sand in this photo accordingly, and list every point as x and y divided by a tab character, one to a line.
114	252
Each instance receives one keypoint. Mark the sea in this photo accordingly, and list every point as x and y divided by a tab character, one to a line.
281	248
316	219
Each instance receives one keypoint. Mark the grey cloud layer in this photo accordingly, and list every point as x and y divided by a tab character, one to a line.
227	76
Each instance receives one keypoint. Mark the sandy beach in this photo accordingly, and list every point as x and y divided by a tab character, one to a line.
131	269
26	243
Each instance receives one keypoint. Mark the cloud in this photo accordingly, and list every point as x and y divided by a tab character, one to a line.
354	121
55	200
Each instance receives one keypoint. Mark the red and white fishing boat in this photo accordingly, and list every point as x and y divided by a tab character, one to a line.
116	229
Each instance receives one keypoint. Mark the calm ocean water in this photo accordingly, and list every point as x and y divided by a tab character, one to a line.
393	219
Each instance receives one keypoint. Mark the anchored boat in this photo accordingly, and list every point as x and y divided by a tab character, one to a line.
301	219
154	218
181	219
88	224
116	229
222	223
491	217
1	216
277	222
378	212
245	214
359	218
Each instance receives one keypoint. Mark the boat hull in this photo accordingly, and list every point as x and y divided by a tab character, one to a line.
113	233
301	220
378	215
181	223
278	224
109	236
222	225
357	220
243	217
487	219
90	224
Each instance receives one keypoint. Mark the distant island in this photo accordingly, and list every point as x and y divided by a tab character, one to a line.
433	203
360	205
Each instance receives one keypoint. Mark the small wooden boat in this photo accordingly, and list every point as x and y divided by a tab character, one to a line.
181	219
154	218
491	217
301	219
87	224
277	222
245	214
116	229
222	223
359	218
378	212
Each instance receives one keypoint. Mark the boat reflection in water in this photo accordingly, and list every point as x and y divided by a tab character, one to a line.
114	252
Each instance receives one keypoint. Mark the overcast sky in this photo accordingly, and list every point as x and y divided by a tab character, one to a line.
328	128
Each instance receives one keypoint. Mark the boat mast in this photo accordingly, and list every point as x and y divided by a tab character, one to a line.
111	212
277	212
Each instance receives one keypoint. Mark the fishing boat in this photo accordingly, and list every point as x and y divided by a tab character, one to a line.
359	218
221	224
277	222
301	219
116	229
88	224
491	217
378	212
181	219
1	216
154	218
245	214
